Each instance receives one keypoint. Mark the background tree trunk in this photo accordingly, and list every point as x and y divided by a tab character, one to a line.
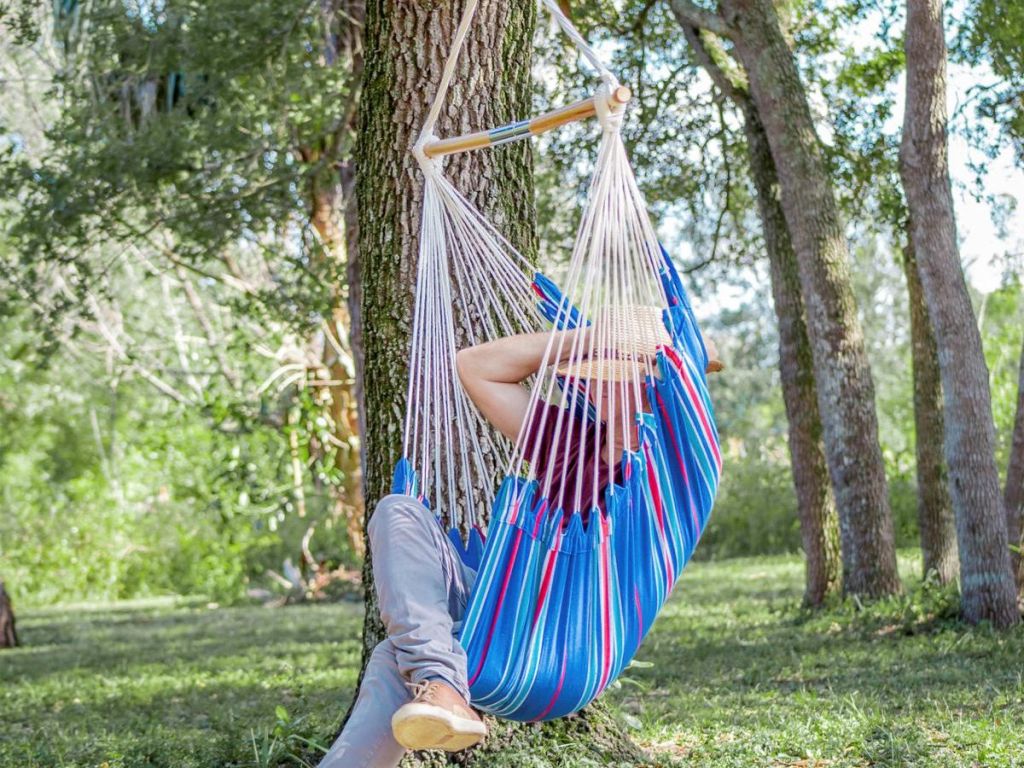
934	508
988	590
1013	494
816	504
816	508
8	633
405	47
845	390
333	214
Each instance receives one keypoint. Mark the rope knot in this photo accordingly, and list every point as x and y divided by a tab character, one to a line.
428	165
609	112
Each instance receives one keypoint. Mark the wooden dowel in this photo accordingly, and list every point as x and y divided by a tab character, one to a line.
522	129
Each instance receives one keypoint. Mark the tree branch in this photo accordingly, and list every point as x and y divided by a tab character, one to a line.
204	322
689	14
718	75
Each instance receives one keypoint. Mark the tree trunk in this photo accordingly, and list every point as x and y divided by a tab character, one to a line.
333	215
988	591
845	390
405	47
934	508
816	508
8	633
1013	494
816	505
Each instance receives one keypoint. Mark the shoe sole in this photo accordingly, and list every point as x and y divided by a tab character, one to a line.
421	726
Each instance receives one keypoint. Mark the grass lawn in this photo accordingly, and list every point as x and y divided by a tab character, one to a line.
737	676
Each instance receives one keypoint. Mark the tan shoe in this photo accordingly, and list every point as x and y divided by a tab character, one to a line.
438	718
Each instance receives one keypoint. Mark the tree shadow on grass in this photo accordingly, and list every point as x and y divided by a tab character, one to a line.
211	725
895	659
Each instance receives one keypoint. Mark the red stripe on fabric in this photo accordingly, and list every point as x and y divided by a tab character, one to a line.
708	433
652	482
558	692
652	475
545	584
540	516
514	512
672	436
607	602
497	608
682	467
670	570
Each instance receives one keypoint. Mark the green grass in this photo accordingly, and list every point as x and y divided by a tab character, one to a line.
738	676
170	683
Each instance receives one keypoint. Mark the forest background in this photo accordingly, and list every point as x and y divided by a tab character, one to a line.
178	388
207	231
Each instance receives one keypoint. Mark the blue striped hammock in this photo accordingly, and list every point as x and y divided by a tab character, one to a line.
558	611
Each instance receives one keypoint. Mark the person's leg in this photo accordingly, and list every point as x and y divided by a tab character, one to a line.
423	588
366	740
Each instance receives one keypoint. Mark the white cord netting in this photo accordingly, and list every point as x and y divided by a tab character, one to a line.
466	266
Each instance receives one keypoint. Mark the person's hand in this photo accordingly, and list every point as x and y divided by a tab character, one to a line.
714	364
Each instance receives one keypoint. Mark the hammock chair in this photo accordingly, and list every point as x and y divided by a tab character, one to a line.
567	588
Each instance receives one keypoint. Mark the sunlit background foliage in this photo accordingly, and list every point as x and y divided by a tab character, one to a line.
166	306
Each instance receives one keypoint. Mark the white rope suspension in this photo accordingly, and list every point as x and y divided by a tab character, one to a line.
613	270
588	53
466	265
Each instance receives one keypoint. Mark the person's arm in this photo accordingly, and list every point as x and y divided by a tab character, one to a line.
492	374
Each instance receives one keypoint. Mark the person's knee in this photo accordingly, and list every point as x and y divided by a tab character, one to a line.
394	511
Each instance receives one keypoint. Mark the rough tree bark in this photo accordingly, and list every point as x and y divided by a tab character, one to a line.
405	46
8	632
845	390
819	518
934	508
816	508
1013	493
987	585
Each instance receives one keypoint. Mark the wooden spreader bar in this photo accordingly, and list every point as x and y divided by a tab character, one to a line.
522	129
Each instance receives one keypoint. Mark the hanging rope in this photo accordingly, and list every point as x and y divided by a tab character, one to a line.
468	12
465	264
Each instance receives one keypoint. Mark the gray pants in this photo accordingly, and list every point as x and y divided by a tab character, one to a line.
422	586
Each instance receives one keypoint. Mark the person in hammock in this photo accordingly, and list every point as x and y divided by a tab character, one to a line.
414	693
